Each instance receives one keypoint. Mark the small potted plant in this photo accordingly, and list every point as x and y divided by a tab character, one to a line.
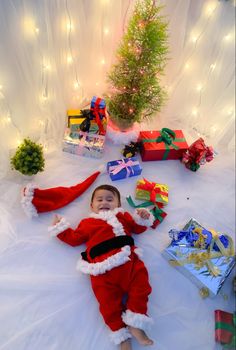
28	159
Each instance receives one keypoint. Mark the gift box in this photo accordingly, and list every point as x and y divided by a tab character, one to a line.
151	191
197	154
225	328
157	212
74	116
204	256
163	144
122	168
83	144
98	109
78	116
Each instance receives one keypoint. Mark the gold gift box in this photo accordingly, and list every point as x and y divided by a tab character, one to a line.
141	193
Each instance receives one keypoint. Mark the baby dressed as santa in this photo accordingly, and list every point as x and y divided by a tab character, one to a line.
111	259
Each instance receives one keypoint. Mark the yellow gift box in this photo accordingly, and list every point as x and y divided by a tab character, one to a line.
151	191
74	117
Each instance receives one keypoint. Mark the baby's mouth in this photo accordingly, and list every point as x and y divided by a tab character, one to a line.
104	208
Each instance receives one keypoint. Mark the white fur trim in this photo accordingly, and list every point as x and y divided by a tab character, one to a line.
27	198
119	336
99	268
60	226
136	320
144	222
119	137
110	217
139	252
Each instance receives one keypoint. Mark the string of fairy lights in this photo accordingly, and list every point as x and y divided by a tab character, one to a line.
209	12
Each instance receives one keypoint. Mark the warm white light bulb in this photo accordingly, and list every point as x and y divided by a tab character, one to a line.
194	111
47	66
69	59
36	30
102	61
229	37
230	111
194	38
76	85
214	128
29	27
1	87
96	83
199	87
187	66
106	31
70	26
213	66
210	9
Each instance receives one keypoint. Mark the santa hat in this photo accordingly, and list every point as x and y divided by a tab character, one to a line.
36	200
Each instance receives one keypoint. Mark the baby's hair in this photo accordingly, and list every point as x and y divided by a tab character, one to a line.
110	188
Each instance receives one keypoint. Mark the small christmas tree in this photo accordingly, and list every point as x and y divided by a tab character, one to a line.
136	92
28	159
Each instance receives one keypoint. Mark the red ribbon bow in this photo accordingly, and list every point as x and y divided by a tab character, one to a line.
150	187
96	111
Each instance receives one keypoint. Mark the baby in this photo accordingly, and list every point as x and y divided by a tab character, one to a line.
111	259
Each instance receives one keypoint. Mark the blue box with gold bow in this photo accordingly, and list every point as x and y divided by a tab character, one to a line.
163	144
205	256
123	168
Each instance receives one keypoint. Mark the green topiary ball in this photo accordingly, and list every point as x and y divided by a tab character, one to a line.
28	159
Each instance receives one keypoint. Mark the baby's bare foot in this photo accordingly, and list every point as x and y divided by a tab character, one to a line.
125	345
141	336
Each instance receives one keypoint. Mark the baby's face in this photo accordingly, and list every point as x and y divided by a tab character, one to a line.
104	200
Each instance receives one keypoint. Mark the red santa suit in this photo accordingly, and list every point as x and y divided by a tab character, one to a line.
112	261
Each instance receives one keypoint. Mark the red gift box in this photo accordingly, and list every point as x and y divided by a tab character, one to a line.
224	326
155	146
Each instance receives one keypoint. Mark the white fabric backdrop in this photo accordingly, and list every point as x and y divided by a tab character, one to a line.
44	303
54	55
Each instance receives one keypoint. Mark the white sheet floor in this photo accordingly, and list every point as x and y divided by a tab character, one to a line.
47	305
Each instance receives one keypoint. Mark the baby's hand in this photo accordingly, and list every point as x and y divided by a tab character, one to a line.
56	219
143	213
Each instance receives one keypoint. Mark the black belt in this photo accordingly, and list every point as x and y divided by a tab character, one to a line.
108	245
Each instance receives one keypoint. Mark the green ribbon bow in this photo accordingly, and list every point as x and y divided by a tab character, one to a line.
230	328
168	137
156	211
194	166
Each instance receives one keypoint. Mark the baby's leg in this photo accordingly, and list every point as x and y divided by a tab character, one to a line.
126	345
140	335
136	313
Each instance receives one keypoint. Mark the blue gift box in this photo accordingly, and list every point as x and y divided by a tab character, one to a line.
182	246
101	105
122	168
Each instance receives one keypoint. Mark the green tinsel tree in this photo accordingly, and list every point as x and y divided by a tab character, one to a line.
135	79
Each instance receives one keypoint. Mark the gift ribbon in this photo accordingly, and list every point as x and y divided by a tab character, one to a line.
167	136
96	110
230	328
204	258
152	189
156	211
115	169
